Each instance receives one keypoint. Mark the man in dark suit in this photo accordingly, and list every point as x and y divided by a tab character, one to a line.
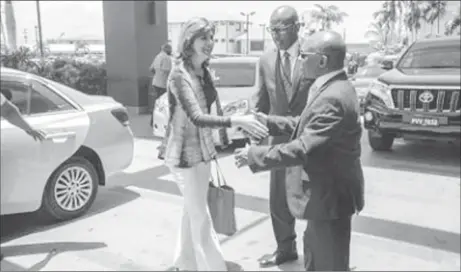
325	148
283	91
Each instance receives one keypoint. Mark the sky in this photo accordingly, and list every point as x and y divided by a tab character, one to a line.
84	19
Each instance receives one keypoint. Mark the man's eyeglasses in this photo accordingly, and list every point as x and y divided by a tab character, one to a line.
305	55
279	29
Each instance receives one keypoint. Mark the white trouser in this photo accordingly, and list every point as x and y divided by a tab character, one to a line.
198	246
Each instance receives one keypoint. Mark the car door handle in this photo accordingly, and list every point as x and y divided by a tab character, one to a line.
60	137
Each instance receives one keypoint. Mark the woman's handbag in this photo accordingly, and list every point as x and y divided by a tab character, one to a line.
221	203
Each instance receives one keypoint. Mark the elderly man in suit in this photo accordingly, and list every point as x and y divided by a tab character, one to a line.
325	148
283	91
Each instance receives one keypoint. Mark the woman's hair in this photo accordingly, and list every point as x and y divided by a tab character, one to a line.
190	31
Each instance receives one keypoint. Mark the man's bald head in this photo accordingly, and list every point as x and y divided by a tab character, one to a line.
284	26
329	44
284	15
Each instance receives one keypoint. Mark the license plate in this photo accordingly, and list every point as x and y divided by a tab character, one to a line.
425	122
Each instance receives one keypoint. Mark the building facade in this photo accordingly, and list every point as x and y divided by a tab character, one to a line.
227	32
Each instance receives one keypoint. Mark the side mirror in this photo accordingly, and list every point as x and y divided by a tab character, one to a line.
387	65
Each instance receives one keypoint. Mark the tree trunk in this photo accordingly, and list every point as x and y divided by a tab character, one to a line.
392	32
4	41
10	26
438	25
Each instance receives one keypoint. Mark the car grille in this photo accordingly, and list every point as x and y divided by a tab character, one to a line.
442	100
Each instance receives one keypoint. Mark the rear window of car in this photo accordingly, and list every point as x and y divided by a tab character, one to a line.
234	74
432	56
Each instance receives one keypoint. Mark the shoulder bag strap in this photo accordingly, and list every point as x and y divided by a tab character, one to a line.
219	175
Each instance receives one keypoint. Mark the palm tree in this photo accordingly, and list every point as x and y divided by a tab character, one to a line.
454	23
10	26
389	16
326	16
413	15
4	40
377	35
45	47
433	10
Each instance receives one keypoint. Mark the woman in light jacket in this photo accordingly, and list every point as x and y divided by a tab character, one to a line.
190	146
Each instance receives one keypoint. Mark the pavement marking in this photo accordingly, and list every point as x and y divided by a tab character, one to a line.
383	201
405	248
138	235
377	219
139	167
259	217
162	196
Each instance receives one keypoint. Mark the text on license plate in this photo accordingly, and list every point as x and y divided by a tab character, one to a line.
421	121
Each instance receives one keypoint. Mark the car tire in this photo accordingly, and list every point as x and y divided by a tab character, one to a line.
52	208
380	142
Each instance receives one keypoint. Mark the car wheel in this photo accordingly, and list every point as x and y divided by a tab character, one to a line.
70	190
380	142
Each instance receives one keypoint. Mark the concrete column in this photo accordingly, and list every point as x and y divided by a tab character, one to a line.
133	38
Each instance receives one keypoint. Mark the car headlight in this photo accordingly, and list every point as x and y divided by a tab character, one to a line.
238	107
382	91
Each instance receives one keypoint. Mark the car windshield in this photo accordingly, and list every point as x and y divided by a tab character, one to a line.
369	72
447	56
234	74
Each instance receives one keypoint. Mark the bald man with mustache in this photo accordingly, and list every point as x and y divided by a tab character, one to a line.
328	186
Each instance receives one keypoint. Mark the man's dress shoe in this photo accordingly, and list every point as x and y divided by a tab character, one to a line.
278	258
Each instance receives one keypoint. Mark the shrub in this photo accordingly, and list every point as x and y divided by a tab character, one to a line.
86	74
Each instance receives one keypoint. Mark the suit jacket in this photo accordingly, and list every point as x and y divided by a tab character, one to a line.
325	141
271	97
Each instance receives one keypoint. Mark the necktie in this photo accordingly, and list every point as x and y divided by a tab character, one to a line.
287	65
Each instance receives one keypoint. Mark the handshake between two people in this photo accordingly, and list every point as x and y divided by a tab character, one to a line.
253	125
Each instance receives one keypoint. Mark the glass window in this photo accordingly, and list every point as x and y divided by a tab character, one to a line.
256	46
233	76
432	57
17	93
35	98
42	95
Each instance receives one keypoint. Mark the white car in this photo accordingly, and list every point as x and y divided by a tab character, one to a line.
363	79
236	80
88	139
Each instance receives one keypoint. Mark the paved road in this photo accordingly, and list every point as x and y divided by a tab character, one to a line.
411	220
